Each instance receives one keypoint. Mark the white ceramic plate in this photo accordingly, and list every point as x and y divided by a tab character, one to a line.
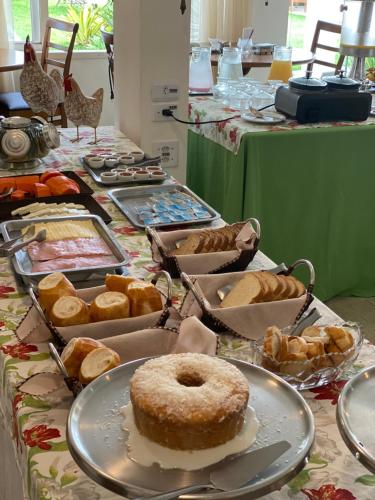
269	118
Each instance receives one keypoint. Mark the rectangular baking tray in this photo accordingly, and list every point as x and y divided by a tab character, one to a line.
95	173
126	200
22	263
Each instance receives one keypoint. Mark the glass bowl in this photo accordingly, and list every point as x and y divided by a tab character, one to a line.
316	371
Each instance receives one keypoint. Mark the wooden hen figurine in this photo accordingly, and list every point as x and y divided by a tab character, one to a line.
42	92
81	109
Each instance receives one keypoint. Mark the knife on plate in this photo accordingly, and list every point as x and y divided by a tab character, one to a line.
233	473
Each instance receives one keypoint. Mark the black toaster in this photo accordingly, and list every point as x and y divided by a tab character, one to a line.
335	98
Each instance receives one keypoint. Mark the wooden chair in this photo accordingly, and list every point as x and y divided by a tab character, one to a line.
13	104
331	28
108	42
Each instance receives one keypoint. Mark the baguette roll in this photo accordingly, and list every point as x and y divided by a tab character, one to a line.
96	363
116	283
76	351
144	298
110	305
69	311
52	287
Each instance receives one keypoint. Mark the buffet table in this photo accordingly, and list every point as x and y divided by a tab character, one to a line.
311	187
35	457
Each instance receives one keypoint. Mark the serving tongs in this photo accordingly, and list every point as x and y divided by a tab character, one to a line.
11	247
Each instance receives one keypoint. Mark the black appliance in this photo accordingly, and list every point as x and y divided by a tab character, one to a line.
334	98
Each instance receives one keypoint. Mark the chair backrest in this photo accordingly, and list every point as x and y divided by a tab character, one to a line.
108	42
331	28
46	60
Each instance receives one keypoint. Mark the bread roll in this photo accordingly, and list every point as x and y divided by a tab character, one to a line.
96	363
76	351
68	311
248	290
144	298
110	305
116	283
340	337
272	340
52	287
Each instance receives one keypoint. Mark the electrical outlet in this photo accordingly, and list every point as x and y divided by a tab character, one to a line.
165	92
158	112
168	152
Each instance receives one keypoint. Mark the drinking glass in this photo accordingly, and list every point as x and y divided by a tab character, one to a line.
281	68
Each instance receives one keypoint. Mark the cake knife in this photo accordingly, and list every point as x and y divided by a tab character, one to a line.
233	473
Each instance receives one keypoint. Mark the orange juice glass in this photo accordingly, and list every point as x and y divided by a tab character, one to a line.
281	68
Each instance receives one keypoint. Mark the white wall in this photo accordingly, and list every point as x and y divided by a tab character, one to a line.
270	25
152	41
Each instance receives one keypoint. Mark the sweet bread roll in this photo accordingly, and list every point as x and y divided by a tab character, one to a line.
248	290
144	298
96	363
315	349
76	351
110	305
341	338
52	287
117	283
68	311
272	340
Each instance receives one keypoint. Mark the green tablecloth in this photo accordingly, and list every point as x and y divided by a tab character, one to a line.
313	191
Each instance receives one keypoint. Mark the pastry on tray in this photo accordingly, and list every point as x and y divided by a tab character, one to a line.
263	286
124	297
189	401
210	240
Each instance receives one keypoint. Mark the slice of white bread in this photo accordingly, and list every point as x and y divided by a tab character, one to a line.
110	305
75	352
96	363
248	290
52	287
193	244
69	311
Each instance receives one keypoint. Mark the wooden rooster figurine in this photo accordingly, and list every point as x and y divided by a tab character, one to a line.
42	92
81	109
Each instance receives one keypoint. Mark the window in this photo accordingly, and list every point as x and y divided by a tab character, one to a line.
195	20
92	16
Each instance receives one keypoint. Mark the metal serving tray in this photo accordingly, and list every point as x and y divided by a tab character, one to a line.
98	443
355	414
22	263
128	199
95	173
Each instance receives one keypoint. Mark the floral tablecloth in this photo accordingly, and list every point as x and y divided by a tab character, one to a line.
37	423
229	134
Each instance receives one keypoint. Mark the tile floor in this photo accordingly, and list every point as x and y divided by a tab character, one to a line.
360	310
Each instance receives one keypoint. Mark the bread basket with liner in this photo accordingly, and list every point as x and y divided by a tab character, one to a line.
37	327
248	321
316	371
188	335
163	242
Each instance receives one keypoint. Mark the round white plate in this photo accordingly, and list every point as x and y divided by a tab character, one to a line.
269	118
98	442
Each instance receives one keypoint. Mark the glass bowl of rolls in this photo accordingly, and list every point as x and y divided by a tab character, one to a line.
318	356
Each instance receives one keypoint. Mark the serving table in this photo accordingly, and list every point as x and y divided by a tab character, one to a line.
311	187
35	463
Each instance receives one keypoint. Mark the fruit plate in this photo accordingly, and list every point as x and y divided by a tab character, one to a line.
97	441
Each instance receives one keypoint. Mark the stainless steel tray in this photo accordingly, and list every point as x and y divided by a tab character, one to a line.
22	263
95	173
355	414
98	443
128	199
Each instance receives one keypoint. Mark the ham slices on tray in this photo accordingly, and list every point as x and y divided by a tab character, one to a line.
73	263
69	254
48	250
